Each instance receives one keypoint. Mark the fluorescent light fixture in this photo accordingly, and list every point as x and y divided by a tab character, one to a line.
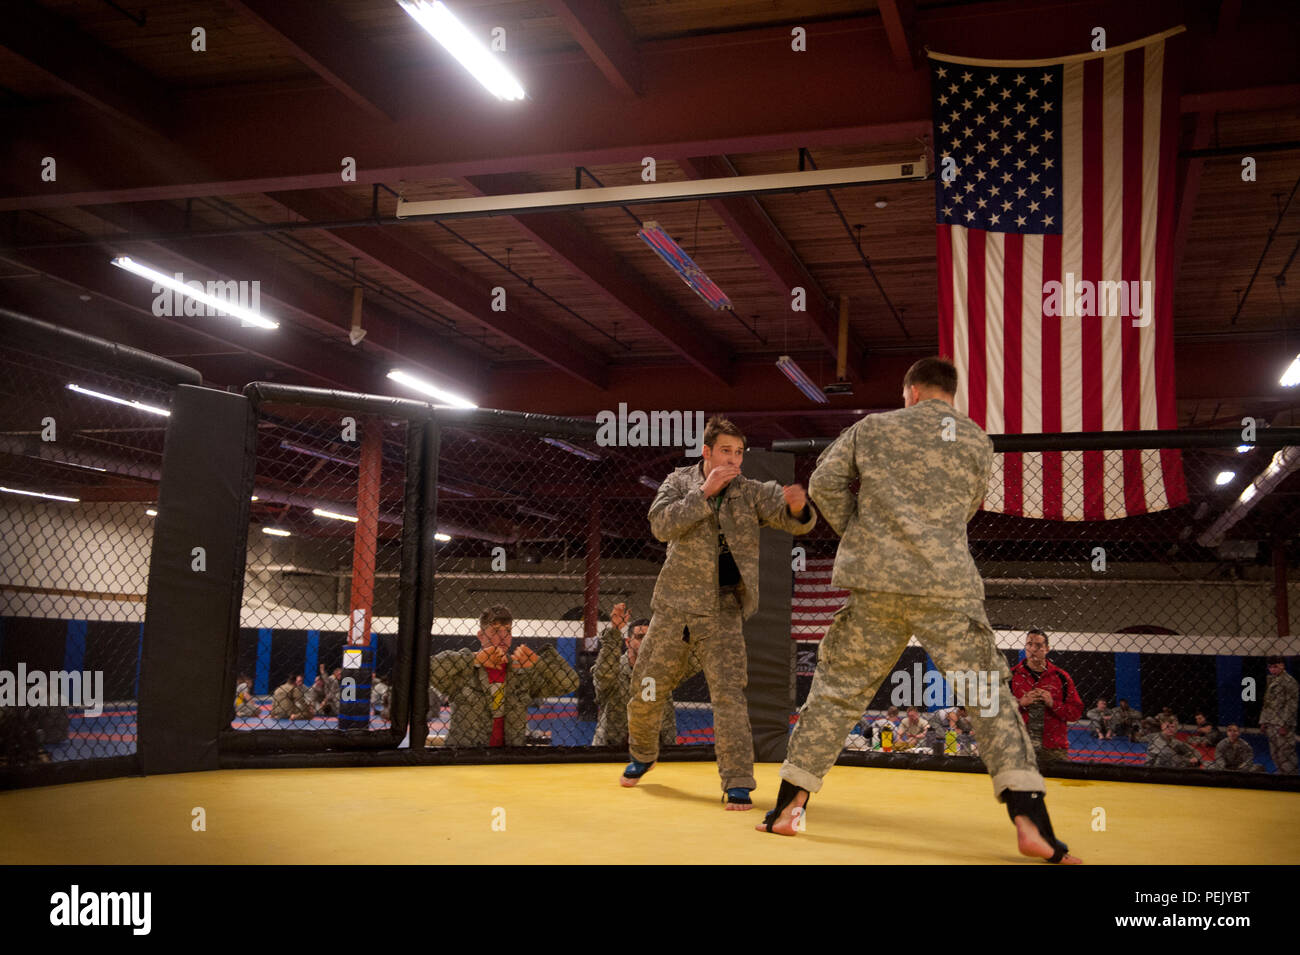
1225	477
276	532
129	402
1244	448
290	446
333	515
50	497
649	482
442	537
66	464
573	449
468	50
1291	377
533	512
448	489
675	256
800	380
253	498
446	397
151	512
220	305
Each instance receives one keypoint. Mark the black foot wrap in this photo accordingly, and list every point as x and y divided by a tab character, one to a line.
784	796
1032	806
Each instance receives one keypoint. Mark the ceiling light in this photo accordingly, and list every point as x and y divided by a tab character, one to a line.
881	203
276	532
334	515
221	305
151	512
468	50
1291	378
573	449
442	537
51	497
253	498
800	380
533	512
1243	448
1225	477
130	403
652	235
450	400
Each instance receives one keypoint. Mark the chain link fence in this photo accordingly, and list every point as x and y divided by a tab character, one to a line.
1166	617
81	443
318	645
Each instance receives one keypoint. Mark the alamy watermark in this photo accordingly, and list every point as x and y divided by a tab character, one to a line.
1084	298
172	303
972	688
653	429
53	688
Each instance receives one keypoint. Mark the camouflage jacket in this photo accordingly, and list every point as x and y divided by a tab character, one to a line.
684	519
612	676
905	532
459	677
1279	701
1169	752
288	699
1238	755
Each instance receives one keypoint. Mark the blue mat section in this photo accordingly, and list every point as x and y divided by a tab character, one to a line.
309	661
1228	677
1128	680
74	653
262	677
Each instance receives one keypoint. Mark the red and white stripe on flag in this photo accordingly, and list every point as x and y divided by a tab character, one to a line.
1028	362
814	601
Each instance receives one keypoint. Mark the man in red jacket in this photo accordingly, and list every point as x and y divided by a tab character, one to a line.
1048	700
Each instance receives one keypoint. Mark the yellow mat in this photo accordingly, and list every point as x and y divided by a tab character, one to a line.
577	813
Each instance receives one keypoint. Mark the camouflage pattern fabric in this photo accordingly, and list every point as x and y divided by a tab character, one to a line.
612	677
1235	756
683	518
464	681
1277	720
904	557
719	643
1169	753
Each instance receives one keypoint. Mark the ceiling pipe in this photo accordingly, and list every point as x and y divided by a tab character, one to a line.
1284	463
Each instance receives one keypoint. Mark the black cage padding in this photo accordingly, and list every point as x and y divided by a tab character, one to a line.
190	613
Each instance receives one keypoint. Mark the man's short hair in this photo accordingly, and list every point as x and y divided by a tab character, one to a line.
1168	720
937	373
719	425
1275	658
643	622
494	615
1046	640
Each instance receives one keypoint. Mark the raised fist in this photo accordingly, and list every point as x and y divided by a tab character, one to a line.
523	656
795	498
719	477
494	658
618	617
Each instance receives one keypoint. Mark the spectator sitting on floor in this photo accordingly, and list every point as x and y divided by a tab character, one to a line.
333	691
1166	750
244	705
956	721
1234	754
1148	728
1127	721
1205	733
379	691
290	701
912	731
1102	719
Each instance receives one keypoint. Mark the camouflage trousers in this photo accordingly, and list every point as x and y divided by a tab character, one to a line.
719	643
1282	749
865	640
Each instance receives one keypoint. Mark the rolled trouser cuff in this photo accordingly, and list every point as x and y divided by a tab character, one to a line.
1021	780
801	777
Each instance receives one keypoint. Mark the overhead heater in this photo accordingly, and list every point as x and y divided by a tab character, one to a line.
675	256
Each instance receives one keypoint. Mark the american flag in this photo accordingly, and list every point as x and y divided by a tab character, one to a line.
1061	172
815	601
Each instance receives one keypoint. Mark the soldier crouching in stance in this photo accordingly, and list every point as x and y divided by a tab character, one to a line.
904	559
709	516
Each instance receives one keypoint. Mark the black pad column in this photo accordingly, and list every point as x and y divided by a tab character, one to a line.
192	609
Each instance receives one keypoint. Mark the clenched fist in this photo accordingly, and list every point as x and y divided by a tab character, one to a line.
618	617
719	477
494	658
795	498
523	656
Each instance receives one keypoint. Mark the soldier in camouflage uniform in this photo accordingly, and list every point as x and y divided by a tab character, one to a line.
612	678
904	559
709	516
1277	718
491	688
1234	754
1169	752
290	701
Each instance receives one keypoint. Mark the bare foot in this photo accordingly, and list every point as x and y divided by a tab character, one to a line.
1030	842
791	820
738	806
